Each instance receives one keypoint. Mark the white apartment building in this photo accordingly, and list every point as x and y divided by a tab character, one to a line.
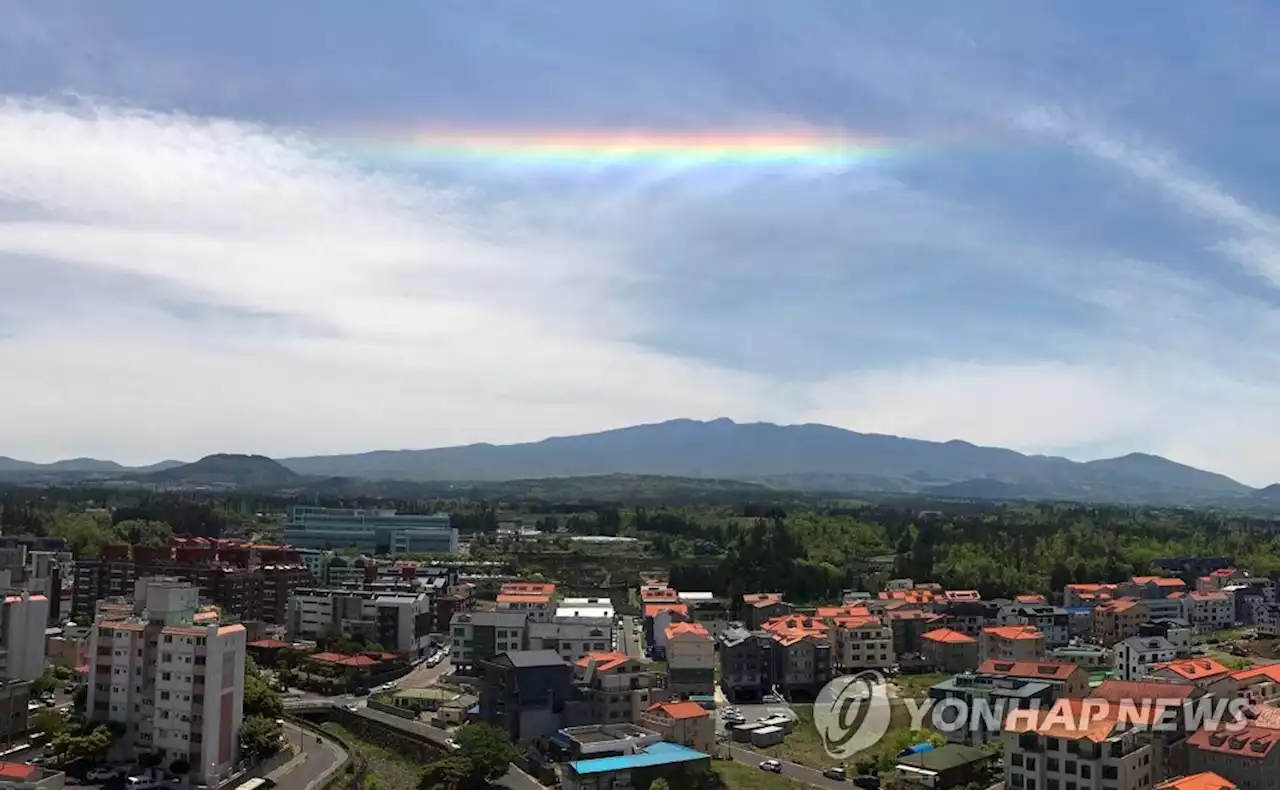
23	619
535	599
399	621
863	643
1167	608
1211	611
1135	656
1039	755
575	631
173	676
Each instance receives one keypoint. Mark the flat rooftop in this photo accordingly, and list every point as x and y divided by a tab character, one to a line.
657	754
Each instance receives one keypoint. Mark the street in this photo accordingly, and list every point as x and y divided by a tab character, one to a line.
424	675
318	757
628	639
797	772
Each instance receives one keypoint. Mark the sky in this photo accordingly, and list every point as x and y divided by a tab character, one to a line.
249	227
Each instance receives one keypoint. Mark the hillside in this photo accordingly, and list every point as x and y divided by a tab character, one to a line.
227	470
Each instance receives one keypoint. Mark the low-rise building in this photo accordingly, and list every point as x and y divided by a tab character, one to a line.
599	740
1202	673
969	616
530	694
983	696
398	620
1119	619
25	776
1088	595
1178	632
1067	680
945	767
480	636
1201	781
1138	655
1247	757
686	723
861	643
690	660
757	608
536	599
658	618
950	650
746	664
575	631
1211	611
671	761
1052	621
1087	656
617	686
1011	643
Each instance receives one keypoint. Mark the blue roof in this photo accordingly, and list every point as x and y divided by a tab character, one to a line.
661	753
916	749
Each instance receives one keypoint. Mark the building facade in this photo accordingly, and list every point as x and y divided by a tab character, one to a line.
691	658
1011	643
369	530
481	636
398	621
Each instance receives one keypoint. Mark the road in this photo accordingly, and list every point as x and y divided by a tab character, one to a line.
628	639
791	770
318	758
424	675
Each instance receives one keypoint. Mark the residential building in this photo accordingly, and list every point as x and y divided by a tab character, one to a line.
708	611
617	686
1201	781
1048	620
970	617
1145	587
950	650
997	694
15	701
1202	673
1118	619
533	598
369	530
1178	632
1086	656
908	625
671	761
802	665
575	631
23	619
481	636
1247	757
757	608
1211	611
1043	750
592	741
1217	580
25	776
690	660
1011	643
399	621
861	643
685	722
746	664
1088	595
1138	655
1066	680
173	676
530	694
110	574
658	618
943	768
1175	607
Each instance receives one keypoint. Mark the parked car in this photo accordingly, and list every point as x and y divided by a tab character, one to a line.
772	766
102	774
141	783
70	688
867	782
452	745
834	772
362	692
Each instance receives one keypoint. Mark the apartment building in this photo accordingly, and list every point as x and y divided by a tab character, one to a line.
574	631
746	664
658	617
1044	750
617	686
1202	673
757	608
950	650
860	643
173	676
1088	595
536	599
1118	619
399	621
969	617
1152	587
530	694
1052	621
993	693
1247	757
1089	657
690	660
373	531
1138	655
1066	680
1177	631
686	723
708	611
23	619
480	636
1211	611
1176	607
1011	643
908	625
803	664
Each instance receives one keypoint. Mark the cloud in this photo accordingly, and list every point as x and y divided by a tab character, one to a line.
400	321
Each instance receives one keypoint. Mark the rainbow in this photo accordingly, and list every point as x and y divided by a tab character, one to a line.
634	148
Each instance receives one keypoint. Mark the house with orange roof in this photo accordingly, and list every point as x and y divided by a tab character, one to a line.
536	599
686	723
1087	594
1118	619
759	607
1211	611
861	642
691	656
1011	643
1070	743
1067	680
617	686
1206	780
1256	685
950	650
1031	598
658	617
1200	672
908	625
1247	757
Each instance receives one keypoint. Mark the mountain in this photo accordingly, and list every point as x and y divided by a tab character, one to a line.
810	457
226	469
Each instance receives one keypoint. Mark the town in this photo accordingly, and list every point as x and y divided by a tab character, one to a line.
211	662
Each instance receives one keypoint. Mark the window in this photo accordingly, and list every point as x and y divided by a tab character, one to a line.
1016	759
1086	771
1051	784
164	695
1031	763
1071	767
1051	765
1051	744
168	638
164	676
1031	784
1109	772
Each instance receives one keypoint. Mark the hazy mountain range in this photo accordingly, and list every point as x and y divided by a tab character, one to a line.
800	457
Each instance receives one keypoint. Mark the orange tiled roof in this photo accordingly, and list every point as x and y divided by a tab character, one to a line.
1159	581
1013	632
1208	596
1030	598
677	629
1118	691
604	661
1118	605
761	599
1223	572
523	598
1204	781
948	636
1194	668
679	710
657	596
1066	720
654	609
527	588
963	595
359	662
19	771
1255	742
842	611
1051	670
329	658
1269	671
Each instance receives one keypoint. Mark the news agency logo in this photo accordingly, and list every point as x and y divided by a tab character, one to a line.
852	713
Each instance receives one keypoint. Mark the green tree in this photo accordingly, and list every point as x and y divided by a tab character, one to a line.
73	745
487	748
137	532
659	784
260	699
451	773
49	721
259	737
85	533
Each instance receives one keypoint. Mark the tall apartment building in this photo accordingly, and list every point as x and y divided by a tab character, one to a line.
1042	751
861	643
369	530
173	676
23	619
34	565
617	686
690	660
481	636
400	621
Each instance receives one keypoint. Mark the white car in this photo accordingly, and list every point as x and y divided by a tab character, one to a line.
451	745
772	766
103	774
141	783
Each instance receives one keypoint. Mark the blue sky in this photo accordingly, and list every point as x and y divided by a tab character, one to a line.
1073	248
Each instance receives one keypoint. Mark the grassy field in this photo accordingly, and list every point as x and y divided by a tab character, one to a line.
737	776
804	745
393	771
1225	635
917	685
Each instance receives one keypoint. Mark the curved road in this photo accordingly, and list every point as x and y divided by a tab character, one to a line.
317	760
799	773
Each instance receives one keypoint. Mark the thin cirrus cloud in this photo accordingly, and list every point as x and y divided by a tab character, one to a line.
1050	255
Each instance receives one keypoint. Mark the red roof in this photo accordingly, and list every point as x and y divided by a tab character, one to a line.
1118	691
654	609
360	662
680	710
948	636
1051	670
1013	632
604	661
761	599
268	644
1195	668
329	658
1205	781
1268	671
676	629
17	770
1255	742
